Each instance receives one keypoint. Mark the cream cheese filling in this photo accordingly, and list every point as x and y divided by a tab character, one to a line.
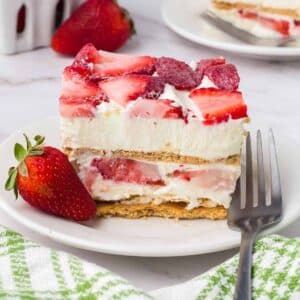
175	189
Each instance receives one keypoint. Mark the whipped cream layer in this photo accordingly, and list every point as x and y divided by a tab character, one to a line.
178	183
114	129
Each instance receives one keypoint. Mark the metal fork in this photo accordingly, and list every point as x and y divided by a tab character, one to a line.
244	35
250	217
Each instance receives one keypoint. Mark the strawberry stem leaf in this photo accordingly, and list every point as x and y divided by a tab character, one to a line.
16	191
11	169
11	181
39	139
20	152
35	152
28	143
23	169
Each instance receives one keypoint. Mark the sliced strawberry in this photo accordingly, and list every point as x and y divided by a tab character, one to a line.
225	77
88	54
76	84
281	26
121	64
74	107
122	89
177	73
161	109
215	179
219	105
127	170
247	14
107	64
204	64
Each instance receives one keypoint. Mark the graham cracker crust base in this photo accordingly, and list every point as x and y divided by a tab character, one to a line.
165	210
151	156
222	5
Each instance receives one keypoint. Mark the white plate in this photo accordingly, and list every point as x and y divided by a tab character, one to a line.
183	16
145	237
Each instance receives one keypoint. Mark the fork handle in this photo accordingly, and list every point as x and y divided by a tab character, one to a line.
243	284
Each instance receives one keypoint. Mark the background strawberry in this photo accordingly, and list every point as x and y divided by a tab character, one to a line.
101	22
46	180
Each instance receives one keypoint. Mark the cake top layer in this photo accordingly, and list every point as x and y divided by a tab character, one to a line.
285	4
149	87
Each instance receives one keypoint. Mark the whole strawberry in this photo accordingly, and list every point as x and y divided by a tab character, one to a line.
101	22
46	180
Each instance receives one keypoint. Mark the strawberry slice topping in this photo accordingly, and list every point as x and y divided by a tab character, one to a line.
177	73
161	109
107	64
80	95
74	108
219	105
127	170
123	89
281	26
225	77
77	84
204	64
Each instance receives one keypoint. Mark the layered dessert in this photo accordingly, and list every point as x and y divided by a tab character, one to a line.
153	136
263	18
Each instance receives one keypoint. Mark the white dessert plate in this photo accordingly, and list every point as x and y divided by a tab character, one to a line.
143	237
184	17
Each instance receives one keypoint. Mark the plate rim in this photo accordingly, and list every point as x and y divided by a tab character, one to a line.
259	51
79	243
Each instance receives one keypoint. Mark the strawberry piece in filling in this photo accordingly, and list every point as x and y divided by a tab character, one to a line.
212	179
280	26
219	105
127	170
161	109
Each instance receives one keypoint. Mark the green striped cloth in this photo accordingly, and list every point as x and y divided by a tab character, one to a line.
29	271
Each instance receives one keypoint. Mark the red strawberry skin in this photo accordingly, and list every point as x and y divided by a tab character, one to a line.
53	186
101	22
217	106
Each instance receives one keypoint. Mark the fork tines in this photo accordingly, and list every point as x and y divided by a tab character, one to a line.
257	183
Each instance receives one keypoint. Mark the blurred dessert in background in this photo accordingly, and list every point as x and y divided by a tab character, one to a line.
263	18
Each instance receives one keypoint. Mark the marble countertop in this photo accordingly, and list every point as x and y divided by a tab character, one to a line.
29	88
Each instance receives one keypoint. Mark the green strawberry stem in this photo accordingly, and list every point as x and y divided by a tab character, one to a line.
20	154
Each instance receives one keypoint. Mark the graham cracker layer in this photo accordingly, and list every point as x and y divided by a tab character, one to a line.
223	5
228	6
152	156
165	210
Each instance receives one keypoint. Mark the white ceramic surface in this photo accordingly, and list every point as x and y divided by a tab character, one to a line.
152	237
183	16
39	23
29	87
